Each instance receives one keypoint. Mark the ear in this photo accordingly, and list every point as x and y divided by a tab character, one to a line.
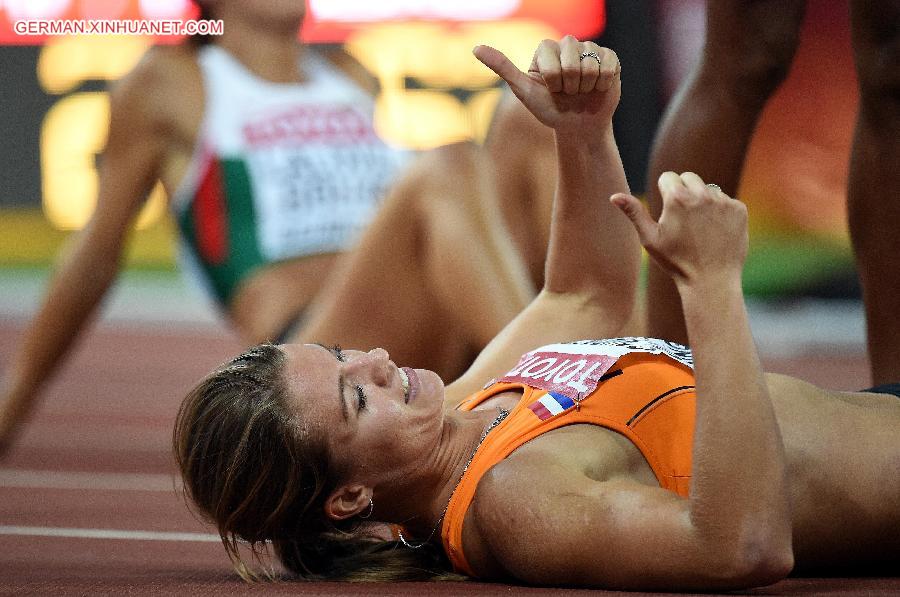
347	501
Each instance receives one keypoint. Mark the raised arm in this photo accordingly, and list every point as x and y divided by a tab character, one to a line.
593	254
86	271
734	529
739	494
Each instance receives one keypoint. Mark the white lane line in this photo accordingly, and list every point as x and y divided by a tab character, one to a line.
33	479
107	534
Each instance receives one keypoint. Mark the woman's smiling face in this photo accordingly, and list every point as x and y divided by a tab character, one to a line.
379	419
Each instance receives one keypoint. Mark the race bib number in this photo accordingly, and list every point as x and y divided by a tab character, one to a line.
622	346
574	369
318	176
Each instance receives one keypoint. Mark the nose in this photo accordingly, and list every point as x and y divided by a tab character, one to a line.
375	363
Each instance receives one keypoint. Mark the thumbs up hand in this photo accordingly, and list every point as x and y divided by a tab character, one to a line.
571	86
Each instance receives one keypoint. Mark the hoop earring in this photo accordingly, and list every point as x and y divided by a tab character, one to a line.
371	509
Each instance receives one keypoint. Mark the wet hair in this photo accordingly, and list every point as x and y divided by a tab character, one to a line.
251	468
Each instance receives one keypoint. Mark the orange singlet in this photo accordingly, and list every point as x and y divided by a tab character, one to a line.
625	384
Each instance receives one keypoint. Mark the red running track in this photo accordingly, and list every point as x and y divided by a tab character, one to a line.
87	497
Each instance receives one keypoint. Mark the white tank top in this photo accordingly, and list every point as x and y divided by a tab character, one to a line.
280	170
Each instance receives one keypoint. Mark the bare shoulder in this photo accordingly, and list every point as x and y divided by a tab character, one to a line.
164	80
514	518
155	111
165	65
528	513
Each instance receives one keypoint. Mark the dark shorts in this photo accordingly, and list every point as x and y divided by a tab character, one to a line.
888	388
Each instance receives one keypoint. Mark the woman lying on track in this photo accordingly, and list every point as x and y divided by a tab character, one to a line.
629	463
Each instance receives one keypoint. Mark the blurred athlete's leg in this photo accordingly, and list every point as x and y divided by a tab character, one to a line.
435	277
874	188
707	128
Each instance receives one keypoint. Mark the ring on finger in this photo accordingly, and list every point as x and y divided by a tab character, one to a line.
714	187
593	55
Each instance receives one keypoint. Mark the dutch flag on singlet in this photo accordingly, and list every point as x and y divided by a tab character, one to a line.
551	404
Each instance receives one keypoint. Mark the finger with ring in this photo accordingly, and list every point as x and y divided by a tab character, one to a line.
589	74
593	55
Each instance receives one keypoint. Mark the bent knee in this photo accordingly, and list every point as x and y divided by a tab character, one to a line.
441	165
462	156
454	175
452	160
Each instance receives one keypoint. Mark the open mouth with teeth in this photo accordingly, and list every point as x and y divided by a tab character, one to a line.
408	388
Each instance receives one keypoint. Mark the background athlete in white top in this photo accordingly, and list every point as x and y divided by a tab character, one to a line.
436	256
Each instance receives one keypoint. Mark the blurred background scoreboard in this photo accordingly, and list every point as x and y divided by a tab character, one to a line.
55	110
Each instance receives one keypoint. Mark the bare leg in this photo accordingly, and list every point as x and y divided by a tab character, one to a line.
523	152
435	276
708	126
874	187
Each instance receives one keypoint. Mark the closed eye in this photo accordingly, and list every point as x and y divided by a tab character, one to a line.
339	355
360	398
